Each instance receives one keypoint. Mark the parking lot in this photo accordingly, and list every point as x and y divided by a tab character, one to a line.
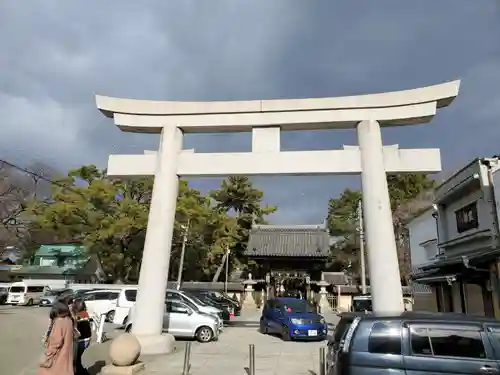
22	329
230	354
21	332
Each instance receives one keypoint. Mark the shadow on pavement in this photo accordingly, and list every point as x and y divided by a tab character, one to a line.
242	324
96	368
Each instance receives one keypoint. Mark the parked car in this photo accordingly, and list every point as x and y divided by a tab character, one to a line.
183	320
50	296
362	303
100	302
224	307
125	301
189	299
292	318
413	343
222	298
27	292
80	293
4	293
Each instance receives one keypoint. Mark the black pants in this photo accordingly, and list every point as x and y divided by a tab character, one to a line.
79	369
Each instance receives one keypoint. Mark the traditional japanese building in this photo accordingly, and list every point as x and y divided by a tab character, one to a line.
289	257
62	261
464	273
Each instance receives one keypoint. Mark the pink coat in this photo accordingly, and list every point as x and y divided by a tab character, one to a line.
60	346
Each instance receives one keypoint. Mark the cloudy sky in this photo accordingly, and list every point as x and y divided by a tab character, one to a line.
55	55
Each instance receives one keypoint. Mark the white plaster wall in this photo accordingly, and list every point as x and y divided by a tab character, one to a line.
422	229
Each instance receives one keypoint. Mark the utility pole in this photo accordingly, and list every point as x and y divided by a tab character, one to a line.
362	246
227	270
183	250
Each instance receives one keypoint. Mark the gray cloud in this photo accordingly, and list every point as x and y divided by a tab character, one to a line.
57	54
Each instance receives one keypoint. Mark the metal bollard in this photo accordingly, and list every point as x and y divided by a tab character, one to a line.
187	359
251	359
322	361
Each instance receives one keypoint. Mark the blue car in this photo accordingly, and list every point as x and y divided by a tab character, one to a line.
292	318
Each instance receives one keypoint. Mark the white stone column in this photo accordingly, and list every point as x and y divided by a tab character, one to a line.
149	308
385	281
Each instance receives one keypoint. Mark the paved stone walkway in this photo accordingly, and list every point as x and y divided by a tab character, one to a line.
230	354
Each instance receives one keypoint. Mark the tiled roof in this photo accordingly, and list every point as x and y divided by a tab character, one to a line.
336	278
310	241
60	249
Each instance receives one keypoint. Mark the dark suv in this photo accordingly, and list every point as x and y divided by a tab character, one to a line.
414	343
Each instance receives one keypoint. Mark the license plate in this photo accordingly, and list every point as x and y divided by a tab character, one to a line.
312	332
44	302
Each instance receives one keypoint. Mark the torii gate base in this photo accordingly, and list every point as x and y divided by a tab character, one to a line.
266	119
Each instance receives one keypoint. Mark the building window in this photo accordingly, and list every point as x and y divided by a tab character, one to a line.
45	262
467	218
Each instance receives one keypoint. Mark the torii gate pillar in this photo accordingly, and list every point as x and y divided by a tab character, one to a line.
266	119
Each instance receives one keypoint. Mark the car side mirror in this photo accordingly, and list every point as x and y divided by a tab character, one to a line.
189	312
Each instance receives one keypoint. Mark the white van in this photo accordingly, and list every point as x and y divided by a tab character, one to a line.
26	292
101	301
125	301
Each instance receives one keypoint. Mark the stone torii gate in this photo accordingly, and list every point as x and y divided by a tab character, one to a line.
266	119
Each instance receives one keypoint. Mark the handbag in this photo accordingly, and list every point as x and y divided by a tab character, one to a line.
46	361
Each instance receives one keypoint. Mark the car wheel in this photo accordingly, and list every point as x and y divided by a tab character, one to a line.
128	328
285	334
30	302
125	321
110	316
263	327
204	334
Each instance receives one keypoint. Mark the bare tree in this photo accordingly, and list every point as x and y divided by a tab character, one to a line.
400	217
17	188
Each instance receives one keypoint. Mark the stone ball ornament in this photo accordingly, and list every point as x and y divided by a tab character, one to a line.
125	350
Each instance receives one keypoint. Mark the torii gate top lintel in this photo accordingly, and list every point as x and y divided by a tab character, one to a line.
266	119
390	108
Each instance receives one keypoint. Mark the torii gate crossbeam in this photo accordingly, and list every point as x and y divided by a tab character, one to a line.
266	119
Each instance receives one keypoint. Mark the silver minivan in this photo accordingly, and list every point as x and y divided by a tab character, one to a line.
182	320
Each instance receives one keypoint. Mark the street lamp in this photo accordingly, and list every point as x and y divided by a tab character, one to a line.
183	250
227	270
362	246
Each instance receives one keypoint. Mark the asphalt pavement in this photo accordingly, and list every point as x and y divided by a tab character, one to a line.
22	329
21	332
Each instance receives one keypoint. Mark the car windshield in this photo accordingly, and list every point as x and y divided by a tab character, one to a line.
195	299
82	291
17	289
54	292
297	306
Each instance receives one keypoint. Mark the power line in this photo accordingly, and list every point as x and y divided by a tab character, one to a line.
38	176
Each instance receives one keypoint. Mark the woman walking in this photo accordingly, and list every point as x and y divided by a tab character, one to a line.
82	321
58	356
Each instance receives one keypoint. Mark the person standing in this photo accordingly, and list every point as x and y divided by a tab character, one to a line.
82	321
57	358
